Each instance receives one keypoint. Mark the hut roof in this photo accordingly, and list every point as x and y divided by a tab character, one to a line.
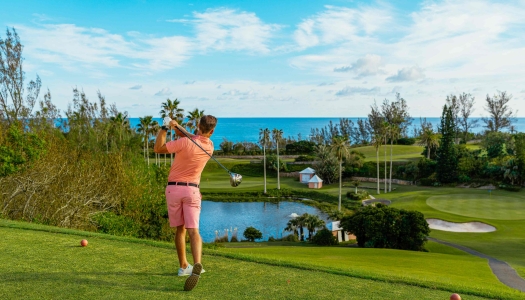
307	171
315	179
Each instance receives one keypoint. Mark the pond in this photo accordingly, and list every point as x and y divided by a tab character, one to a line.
220	218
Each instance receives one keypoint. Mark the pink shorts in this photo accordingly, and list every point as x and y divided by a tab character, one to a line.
184	205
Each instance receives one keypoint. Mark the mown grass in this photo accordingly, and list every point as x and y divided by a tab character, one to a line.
41	262
399	152
507	243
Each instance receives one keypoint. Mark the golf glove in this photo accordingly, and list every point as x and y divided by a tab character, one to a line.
166	122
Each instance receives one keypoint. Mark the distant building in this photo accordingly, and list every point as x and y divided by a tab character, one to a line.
341	235
315	182
306	174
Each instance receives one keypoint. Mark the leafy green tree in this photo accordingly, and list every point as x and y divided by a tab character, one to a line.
519	139
301	147
381	226
252	234
429	139
495	143
377	142
277	135
171	109
18	149
341	149
447	161
264	140
326	165
144	127
312	222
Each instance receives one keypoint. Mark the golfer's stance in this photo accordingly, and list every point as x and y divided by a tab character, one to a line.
183	197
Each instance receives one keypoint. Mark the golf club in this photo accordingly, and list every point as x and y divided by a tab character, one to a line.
235	179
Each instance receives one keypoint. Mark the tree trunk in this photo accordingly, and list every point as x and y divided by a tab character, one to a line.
340	182
278	167
386	182
377	163
264	164
147	150
428	152
390	180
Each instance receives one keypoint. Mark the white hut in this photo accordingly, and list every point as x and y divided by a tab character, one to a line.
340	234
306	174
315	182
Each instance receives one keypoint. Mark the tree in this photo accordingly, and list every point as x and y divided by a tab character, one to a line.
341	149
500	114
466	104
13	106
326	164
292	226
194	118
324	237
386	227
252	234
376	142
144	127
264	140
171	109
453	103
277	135
394	132
312	222
429	139
447	161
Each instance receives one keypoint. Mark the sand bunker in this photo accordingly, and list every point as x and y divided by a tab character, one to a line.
459	227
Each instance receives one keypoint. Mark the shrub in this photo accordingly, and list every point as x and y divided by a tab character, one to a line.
305	158
324	237
252	234
271	239
406	141
511	188
290	238
387	227
360	195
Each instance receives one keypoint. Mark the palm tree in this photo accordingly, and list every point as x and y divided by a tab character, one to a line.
292	226
301	222
277	135
264	139
144	127
356	183
312	222
120	121
153	130
377	141
171	109
394	132
194	118
341	150
430	139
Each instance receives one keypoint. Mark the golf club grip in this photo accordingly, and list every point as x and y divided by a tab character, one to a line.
181	130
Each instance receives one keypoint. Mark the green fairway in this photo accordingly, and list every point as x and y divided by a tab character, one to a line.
480	206
40	262
399	152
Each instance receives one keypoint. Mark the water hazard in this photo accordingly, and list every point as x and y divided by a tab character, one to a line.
269	218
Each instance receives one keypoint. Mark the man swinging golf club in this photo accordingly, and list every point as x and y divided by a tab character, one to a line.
183	197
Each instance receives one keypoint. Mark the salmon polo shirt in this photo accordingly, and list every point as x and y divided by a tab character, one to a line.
190	160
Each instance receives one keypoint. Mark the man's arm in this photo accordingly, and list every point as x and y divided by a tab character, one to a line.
160	143
179	130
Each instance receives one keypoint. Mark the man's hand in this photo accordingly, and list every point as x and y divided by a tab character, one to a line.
173	124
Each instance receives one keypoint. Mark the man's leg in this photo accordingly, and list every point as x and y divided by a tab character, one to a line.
180	244
196	244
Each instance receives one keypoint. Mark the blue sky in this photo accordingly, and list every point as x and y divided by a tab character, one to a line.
274	58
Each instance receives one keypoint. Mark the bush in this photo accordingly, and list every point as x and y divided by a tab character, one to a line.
252	234
406	141
511	188
290	238
305	158
324	237
360	195
387	227
271	239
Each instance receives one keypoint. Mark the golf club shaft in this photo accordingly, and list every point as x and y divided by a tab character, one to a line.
183	132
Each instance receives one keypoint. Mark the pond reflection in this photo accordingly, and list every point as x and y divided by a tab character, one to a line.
269	218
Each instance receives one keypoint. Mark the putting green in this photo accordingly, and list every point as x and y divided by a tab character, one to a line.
480	206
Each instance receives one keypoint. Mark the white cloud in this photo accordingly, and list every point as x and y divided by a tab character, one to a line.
136	87
164	92
366	66
75	47
189	82
407	74
230	30
347	91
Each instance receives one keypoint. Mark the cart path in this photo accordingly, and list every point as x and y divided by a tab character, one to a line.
505	273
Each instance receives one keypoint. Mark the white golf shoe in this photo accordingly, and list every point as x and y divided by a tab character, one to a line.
187	271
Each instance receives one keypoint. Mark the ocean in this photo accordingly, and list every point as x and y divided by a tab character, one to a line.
247	129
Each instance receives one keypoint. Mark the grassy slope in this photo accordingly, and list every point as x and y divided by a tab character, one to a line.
506	243
37	264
